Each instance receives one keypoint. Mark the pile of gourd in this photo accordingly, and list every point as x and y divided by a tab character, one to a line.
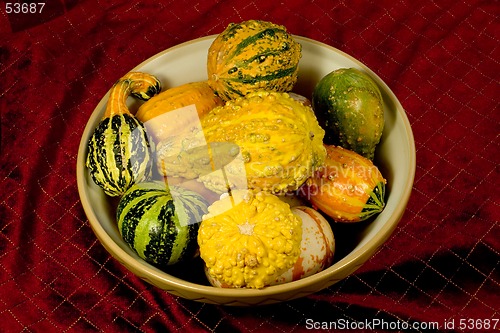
238	169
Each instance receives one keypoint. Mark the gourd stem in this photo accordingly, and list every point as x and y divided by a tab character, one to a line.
117	99
141	85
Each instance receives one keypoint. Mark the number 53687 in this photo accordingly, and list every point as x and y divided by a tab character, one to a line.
24	8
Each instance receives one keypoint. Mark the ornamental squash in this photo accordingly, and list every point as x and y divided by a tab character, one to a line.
248	239
264	141
316	249
119	150
252	55
349	106
177	109
348	188
160	223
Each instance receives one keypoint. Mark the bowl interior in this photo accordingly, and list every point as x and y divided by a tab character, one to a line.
355	243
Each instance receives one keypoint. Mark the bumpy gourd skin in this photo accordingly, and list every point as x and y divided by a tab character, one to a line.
253	55
248	239
349	106
280	140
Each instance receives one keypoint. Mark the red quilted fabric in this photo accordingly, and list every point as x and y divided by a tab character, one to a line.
441	59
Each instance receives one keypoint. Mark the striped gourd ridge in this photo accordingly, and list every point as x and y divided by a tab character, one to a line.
252	55
161	223
348	188
119	150
375	203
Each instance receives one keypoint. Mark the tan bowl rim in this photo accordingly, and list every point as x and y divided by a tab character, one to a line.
346	265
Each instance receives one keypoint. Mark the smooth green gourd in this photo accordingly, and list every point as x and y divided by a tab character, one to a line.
349	107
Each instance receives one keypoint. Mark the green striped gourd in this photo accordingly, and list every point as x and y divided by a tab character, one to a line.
119	150
349	106
253	55
161	223
348	188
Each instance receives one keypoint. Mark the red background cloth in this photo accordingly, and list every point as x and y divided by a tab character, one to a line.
441	59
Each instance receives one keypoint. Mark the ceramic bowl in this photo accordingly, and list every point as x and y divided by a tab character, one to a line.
355	243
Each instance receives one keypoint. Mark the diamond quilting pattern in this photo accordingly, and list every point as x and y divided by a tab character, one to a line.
442	262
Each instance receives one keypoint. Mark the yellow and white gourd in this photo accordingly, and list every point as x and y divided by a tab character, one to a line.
317	249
